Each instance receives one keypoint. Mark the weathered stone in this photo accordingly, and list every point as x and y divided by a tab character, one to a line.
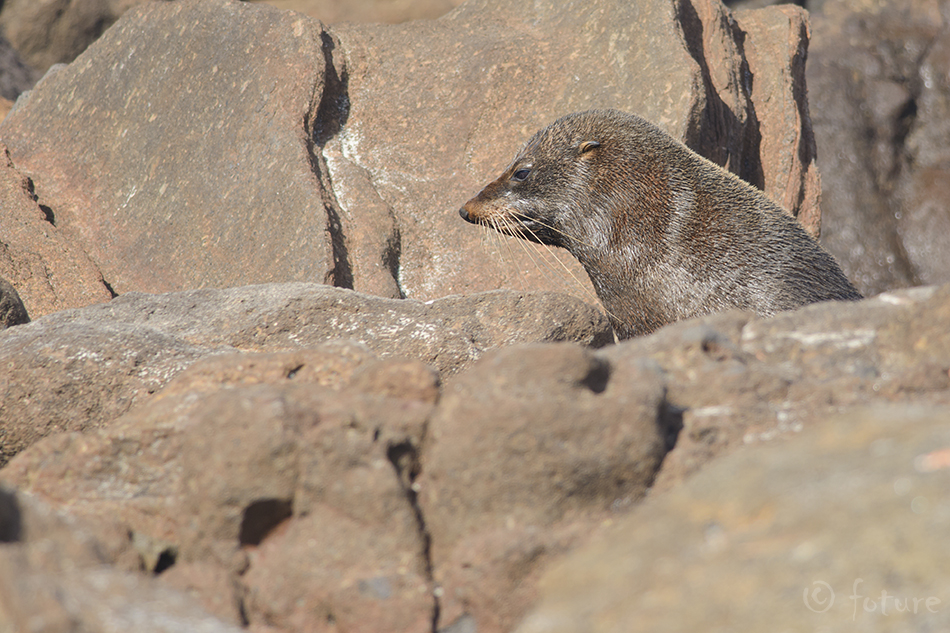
76	376
349	164
249	483
389	11
54	577
79	369
878	90
804	535
738	380
47	267
185	170
528	449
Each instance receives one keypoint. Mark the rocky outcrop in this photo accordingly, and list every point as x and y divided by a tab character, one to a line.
293	488
283	151
838	528
234	442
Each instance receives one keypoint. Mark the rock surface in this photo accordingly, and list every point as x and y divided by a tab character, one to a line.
877	78
47	267
840	528
79	369
54	577
359	491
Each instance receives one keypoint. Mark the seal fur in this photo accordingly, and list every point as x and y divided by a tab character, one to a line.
663	233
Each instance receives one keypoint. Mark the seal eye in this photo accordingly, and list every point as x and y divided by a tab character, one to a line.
586	146
521	174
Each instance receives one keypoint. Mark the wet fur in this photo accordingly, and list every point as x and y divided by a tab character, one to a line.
663	233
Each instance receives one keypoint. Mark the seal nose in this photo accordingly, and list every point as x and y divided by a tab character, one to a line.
464	213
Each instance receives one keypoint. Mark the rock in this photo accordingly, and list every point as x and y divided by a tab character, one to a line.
47	267
738	380
291	498
144	120
328	173
53	578
76	376
528	449
326	483
421	149
876	78
47	33
335	11
15	76
809	533
12	311
80	369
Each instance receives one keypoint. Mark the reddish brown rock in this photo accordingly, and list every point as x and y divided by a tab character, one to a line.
46	266
389	11
291	498
341	156
182	171
528	449
80	369
54	577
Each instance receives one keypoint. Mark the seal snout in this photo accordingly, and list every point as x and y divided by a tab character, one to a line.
464	213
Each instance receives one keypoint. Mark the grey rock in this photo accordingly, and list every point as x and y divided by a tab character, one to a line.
806	534
79	369
53	577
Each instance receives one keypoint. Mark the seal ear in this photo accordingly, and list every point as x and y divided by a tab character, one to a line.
587	146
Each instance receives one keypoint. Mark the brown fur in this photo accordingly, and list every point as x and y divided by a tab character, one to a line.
663	233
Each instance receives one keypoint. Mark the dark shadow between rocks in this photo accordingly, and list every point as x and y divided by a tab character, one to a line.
262	516
11	519
716	132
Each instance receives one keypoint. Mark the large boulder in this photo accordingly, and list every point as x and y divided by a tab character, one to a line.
877	79
840	528
79	369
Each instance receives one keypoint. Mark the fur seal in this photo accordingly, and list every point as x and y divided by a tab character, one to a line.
663	233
